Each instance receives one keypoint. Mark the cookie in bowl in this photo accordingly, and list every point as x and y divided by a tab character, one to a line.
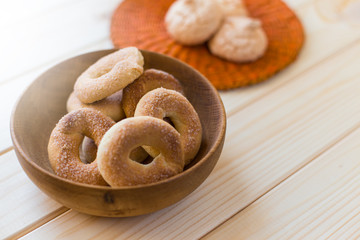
31	128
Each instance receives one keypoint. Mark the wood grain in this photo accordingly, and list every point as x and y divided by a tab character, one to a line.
266	142
325	42
319	202
19	199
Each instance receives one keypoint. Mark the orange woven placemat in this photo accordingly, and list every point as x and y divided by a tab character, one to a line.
140	23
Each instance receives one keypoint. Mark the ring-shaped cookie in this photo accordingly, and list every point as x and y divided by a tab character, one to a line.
161	103
109	75
110	106
65	140
149	80
113	154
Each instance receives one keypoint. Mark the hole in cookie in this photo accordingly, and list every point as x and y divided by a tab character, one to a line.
138	155
168	120
81	155
141	156
177	124
88	150
147	160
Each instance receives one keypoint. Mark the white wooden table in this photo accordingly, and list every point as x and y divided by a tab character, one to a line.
290	168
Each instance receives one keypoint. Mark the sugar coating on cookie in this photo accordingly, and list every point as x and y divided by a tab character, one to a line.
192	22
233	7
161	103
109	74
65	140
114	150
240	39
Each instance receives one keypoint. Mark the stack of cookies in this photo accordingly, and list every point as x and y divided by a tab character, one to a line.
125	126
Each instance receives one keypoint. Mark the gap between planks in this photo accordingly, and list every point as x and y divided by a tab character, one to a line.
325	150
6	150
39	223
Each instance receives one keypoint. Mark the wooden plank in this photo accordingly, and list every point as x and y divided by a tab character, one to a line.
16	91
22	203
320	44
266	142
59	33
319	202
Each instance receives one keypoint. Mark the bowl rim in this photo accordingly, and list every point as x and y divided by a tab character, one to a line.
217	143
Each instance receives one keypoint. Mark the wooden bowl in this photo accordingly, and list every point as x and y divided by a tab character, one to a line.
44	103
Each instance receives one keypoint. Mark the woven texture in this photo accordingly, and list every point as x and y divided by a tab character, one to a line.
140	23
